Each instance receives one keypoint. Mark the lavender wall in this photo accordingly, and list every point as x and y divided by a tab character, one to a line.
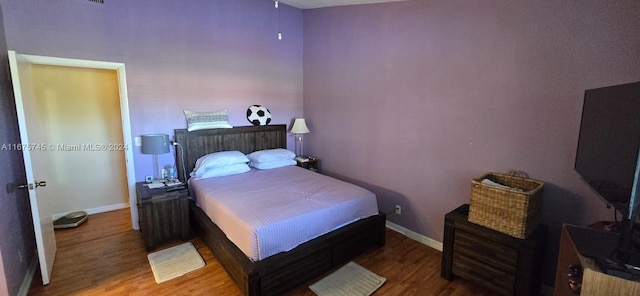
17	242
413	99
199	55
409	99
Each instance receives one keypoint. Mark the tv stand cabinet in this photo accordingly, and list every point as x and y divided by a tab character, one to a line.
575	244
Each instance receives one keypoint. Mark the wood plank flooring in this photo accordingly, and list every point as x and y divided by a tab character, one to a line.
104	256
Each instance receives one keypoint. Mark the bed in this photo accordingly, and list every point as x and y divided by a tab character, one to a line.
278	273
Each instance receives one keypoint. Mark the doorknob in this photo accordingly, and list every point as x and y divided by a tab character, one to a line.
12	187
24	186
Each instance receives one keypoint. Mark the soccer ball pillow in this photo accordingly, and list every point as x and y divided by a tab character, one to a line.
258	115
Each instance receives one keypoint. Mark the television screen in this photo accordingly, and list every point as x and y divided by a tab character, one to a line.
607	157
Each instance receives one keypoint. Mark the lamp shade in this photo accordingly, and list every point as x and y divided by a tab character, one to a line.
299	126
155	144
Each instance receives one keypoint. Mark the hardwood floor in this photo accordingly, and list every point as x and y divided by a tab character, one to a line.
104	256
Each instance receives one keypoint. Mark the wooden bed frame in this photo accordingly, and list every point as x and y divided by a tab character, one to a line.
284	271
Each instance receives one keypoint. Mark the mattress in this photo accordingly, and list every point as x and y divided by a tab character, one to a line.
265	212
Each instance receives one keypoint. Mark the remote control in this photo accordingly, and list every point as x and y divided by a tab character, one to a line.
174	188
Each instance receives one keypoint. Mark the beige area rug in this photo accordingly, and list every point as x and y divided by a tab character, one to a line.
350	280
174	262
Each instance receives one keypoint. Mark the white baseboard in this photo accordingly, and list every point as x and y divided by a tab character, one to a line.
31	271
415	236
97	210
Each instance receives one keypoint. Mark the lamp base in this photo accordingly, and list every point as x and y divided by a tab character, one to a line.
299	146
158	176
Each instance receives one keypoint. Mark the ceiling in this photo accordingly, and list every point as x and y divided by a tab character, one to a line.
308	4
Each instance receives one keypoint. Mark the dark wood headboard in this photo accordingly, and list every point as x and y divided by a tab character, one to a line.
246	139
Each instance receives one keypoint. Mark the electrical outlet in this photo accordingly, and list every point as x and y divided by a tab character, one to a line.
398	210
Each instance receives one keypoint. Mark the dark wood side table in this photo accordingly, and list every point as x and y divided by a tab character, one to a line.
497	261
163	214
309	163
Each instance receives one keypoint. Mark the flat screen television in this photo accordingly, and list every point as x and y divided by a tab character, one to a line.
608	155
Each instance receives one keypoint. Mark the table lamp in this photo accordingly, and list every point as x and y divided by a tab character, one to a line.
155	144
299	128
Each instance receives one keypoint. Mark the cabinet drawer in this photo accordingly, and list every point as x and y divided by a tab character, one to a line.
483	274
487	252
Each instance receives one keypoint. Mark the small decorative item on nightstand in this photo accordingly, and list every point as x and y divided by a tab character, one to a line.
310	163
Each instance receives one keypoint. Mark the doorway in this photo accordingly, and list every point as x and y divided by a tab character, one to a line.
119	70
22	75
79	113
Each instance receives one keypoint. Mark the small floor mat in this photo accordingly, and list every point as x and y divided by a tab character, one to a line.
350	280
174	262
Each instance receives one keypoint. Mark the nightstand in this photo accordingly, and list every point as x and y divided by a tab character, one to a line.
502	263
163	214
309	163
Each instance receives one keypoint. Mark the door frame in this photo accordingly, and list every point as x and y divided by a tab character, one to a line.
124	114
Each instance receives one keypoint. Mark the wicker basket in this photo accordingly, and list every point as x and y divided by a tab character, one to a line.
510	211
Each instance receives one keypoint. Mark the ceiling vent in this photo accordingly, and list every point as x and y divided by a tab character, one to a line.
97	1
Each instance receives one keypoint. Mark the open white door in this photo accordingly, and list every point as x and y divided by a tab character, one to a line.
32	150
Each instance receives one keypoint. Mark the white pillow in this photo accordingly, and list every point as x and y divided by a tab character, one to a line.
228	170
271	155
272	164
205	120
217	160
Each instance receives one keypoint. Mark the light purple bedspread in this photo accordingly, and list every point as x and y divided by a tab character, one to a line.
265	212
